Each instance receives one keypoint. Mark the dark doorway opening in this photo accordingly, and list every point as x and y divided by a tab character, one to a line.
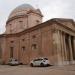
67	46
72	44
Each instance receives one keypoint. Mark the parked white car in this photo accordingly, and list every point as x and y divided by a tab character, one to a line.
13	62
40	62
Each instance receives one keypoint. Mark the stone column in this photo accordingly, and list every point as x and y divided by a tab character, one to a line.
70	46
64	49
62	46
59	47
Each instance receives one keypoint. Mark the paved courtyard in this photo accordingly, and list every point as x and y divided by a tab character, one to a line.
27	70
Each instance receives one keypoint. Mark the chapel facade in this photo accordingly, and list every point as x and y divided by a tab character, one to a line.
27	37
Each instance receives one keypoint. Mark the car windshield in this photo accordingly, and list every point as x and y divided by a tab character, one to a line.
12	60
38	59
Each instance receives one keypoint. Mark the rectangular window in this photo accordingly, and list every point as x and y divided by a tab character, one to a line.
37	21
21	24
23	48
23	39
34	36
11	52
12	41
34	46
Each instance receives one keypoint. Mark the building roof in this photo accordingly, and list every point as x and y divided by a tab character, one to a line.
24	6
22	9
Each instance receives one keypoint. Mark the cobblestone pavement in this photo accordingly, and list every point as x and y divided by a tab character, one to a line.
27	70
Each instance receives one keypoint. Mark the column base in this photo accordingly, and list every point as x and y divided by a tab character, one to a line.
68	62
72	62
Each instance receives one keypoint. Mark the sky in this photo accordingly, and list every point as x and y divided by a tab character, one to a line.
49	8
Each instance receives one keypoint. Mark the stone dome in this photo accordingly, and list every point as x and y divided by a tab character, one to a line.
20	10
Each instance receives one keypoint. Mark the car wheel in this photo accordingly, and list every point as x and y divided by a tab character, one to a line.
31	64
42	64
